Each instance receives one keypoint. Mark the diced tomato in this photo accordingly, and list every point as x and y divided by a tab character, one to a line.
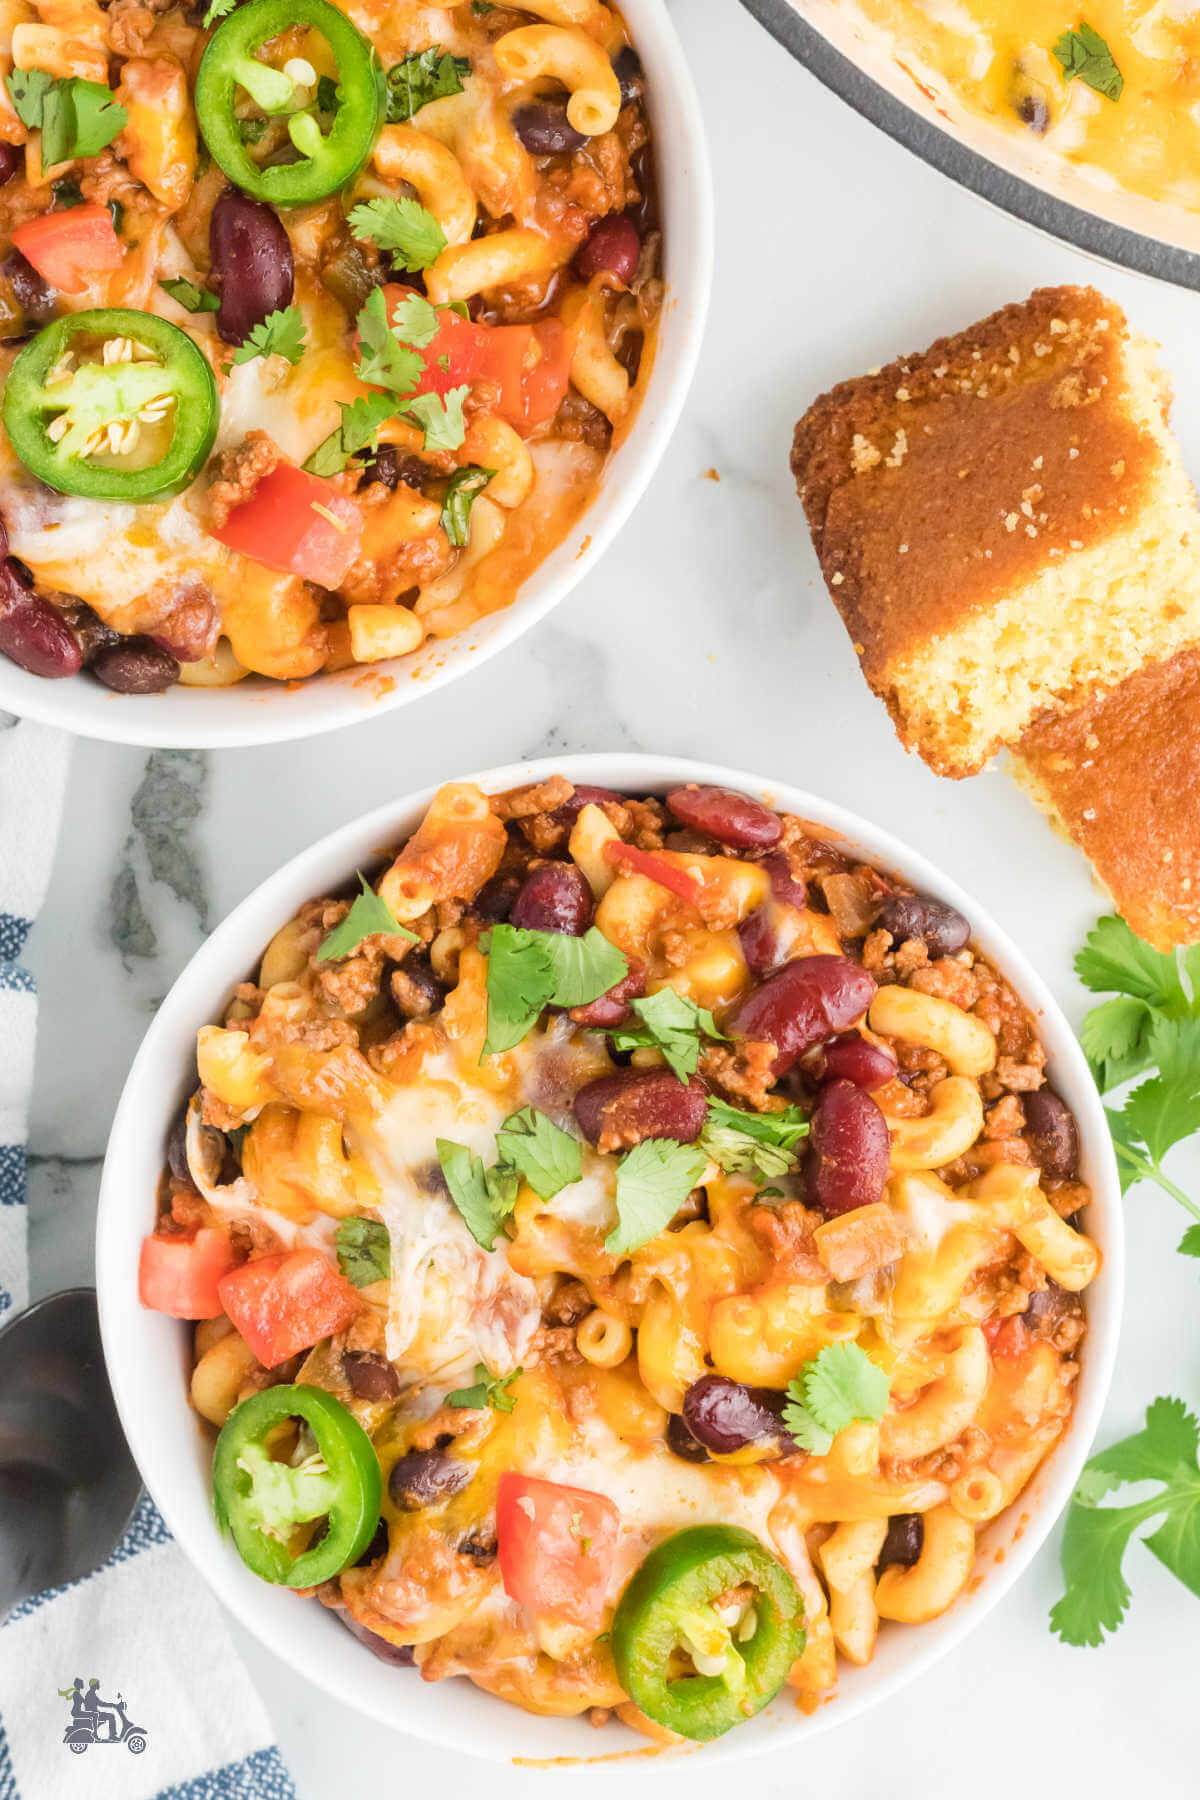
288	1302
298	523
529	363
67	247
180	1275
1007	1338
556	1547
657	868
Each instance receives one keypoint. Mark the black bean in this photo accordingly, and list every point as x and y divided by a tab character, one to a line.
496	897
177	1160
544	129
424	1477
370	1375
904	1541
135	665
393	469
35	297
627	67
681	1441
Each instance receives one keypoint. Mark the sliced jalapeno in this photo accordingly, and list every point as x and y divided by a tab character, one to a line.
112	405
264	1503
232	66
706	1631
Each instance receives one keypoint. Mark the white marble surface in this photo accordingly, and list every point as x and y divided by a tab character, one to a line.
706	631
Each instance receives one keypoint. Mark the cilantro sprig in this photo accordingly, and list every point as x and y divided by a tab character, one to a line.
762	1145
403	226
424	75
672	1024
653	1181
389	357
1097	1536
185	293
361	420
530	970
1085	56
838	1387
488	1390
281	333
75	117
1152	1022
369	916
364	1250
531	1148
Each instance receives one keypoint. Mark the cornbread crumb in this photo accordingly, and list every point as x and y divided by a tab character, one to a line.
1120	775
1009	598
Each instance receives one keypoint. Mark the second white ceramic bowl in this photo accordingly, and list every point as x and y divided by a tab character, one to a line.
148	1354
257	711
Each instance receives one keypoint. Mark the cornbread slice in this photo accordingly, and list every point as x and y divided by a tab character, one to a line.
1003	521
1120	774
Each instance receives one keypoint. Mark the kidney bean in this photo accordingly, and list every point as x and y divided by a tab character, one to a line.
370	1375
633	1104
848	1150
90	632
904	1541
400	1655
941	928
544	129
612	248
251	257
554	897
495	898
135	665
10	162
569	811
627	67
724	814
788	889
1053	1136
612	1008
802	1004
726	1415
424	1477
35	297
33	632
681	1442
852	1057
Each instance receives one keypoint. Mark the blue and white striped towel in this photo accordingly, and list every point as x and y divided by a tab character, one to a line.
143	1627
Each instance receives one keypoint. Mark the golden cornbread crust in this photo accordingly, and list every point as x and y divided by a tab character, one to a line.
1002	520
1121	776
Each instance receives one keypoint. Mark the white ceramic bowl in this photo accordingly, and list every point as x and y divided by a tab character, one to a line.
257	711
1016	171
148	1353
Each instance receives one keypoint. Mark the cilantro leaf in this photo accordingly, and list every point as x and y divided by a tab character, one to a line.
415	321
364	1250
382	358
440	416
653	1181
369	916
547	1157
838	1387
423	76
27	89
1096	1537
1115	960
756	1144
76	117
360	424
527	970
217	10
483	1198
670	1023
1166	1109
1189	1243
489	1390
1085	54
185	293
281	333
402	226
465	486
1114	1039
